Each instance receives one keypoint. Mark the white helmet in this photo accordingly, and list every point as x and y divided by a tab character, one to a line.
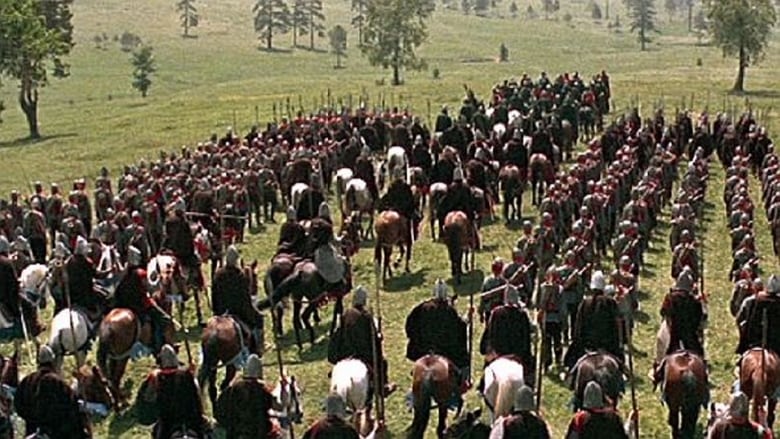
773	286
232	256
361	296
82	246
593	398
524	399
440	289
511	295
324	211
291	214
457	175
253	367
134	256
168	357
597	281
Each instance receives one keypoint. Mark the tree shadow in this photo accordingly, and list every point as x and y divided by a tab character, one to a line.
768	94
190	37
274	50
27	141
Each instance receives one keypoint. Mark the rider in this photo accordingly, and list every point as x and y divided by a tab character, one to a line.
48	404
459	198
764	305
178	239
334	424
508	332
230	295
594	420
491	286
737	424
9	284
399	198
523	422
132	293
434	326
358	338
243	408
292	236
35	230
685	315
598	324
172	394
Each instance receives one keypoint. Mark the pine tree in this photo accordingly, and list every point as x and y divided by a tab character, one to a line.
359	19
466	6
481	7
189	15
298	20
671	8
271	17
642	15
513	9
338	43
315	20
143	68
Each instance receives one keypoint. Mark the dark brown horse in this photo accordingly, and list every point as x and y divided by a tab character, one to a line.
459	238
436	192
541	173
434	378
602	368
468	426
9	379
119	332
94	389
511	183
759	379
392	229
685	382
223	342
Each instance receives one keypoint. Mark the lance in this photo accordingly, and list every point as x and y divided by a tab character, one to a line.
633	383
471	329
234	121
429	113
377	338
541	353
257	115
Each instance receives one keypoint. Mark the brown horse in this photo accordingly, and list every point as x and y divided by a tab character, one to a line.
9	379
602	368
392	229
436	194
94	389
684	377
119	332
224	342
541	173
759	378
511	183
459	238
433	378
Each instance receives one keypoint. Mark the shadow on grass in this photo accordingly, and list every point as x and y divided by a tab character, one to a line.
405	281
769	94
26	141
470	282
274	50
122	423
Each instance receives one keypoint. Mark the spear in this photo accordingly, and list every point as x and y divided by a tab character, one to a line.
633	383
377	334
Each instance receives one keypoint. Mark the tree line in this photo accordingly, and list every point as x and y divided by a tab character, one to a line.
36	36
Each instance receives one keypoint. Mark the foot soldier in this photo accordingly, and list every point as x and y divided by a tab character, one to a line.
594	420
597	326
357	337
132	293
492	295
434	326
551	316
47	403
243	408
765	310
169	398
334	424
230	295
737	424
524	422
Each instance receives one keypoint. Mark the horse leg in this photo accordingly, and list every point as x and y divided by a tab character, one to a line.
442	425
310	308
689	417
338	311
770	416
297	322
212	385
117	368
408	253
674	420
388	254
230	373
198	312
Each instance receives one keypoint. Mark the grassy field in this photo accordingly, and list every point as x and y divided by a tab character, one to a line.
95	118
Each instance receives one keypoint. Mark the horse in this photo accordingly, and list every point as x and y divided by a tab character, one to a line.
224	342
358	199
511	184
92	387
541	173
587	118
70	334
685	382
759	379
296	193
167	270
433	378
343	175
350	380
467	426
459	238
391	229
503	378
437	192
602	368
9	381
419	183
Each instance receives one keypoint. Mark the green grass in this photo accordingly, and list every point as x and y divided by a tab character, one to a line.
202	81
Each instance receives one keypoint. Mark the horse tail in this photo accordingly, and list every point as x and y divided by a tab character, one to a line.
690	389
505	397
105	335
422	405
378	253
351	198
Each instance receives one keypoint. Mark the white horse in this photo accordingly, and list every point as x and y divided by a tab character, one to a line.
349	380
34	282
296	192
396	161
342	176
357	198
503	378
69	335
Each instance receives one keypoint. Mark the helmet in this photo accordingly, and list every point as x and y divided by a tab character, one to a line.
253	367
324	211
232	256
597	281
335	406
168	357
524	399
511	295
593	398
5	246
610	290
291	214
82	246
440	289
133	256
457	174
773	286
497	266
361	296
46	355
738	405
